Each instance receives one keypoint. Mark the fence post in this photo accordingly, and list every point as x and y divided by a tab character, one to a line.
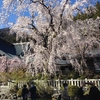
86	80
59	84
72	81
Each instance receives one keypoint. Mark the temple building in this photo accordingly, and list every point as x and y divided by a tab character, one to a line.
11	50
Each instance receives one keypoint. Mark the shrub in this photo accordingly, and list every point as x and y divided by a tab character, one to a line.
44	91
73	90
19	92
14	89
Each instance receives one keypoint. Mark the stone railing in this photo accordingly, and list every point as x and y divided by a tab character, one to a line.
58	83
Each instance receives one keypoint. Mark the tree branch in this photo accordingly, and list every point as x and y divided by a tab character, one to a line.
61	15
51	24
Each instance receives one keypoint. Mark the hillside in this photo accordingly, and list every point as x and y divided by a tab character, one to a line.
90	12
10	36
6	35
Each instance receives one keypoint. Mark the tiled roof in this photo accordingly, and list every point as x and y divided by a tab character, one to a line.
11	50
62	62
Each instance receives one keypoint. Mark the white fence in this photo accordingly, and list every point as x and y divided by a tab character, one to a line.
58	83
76	82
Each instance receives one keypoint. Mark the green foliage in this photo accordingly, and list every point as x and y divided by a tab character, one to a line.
16	74
73	75
69	75
19	92
14	89
44	91
54	35
38	76
87	90
93	15
73	90
96	76
44	77
82	76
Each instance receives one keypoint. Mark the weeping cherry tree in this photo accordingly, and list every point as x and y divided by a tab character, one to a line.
52	31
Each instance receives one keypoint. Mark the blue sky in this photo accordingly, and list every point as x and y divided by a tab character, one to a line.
13	17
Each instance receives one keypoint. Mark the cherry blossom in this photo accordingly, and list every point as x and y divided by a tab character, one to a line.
53	32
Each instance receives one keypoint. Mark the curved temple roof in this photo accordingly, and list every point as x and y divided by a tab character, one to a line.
11	50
